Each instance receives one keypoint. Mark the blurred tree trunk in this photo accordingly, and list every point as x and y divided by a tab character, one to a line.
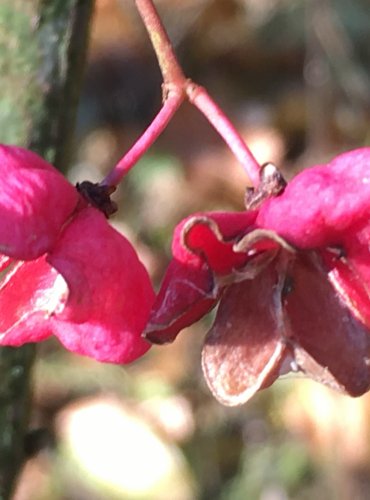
42	53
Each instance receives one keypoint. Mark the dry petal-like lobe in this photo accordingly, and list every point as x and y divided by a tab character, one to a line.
35	202
330	344
290	312
202	248
329	206
185	296
321	203
29	294
245	347
110	294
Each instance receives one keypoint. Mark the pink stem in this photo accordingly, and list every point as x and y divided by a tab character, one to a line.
198	96
160	122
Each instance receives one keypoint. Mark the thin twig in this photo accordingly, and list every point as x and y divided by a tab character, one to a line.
167	60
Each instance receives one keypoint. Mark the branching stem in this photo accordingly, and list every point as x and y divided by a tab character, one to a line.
177	88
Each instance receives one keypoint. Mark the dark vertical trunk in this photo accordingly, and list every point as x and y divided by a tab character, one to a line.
42	52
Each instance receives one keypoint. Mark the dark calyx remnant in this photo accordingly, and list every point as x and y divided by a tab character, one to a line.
272	183
98	196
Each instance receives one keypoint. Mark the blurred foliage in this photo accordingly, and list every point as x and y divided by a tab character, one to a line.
16	105
291	75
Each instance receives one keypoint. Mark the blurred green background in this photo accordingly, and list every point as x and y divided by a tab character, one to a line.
294	76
